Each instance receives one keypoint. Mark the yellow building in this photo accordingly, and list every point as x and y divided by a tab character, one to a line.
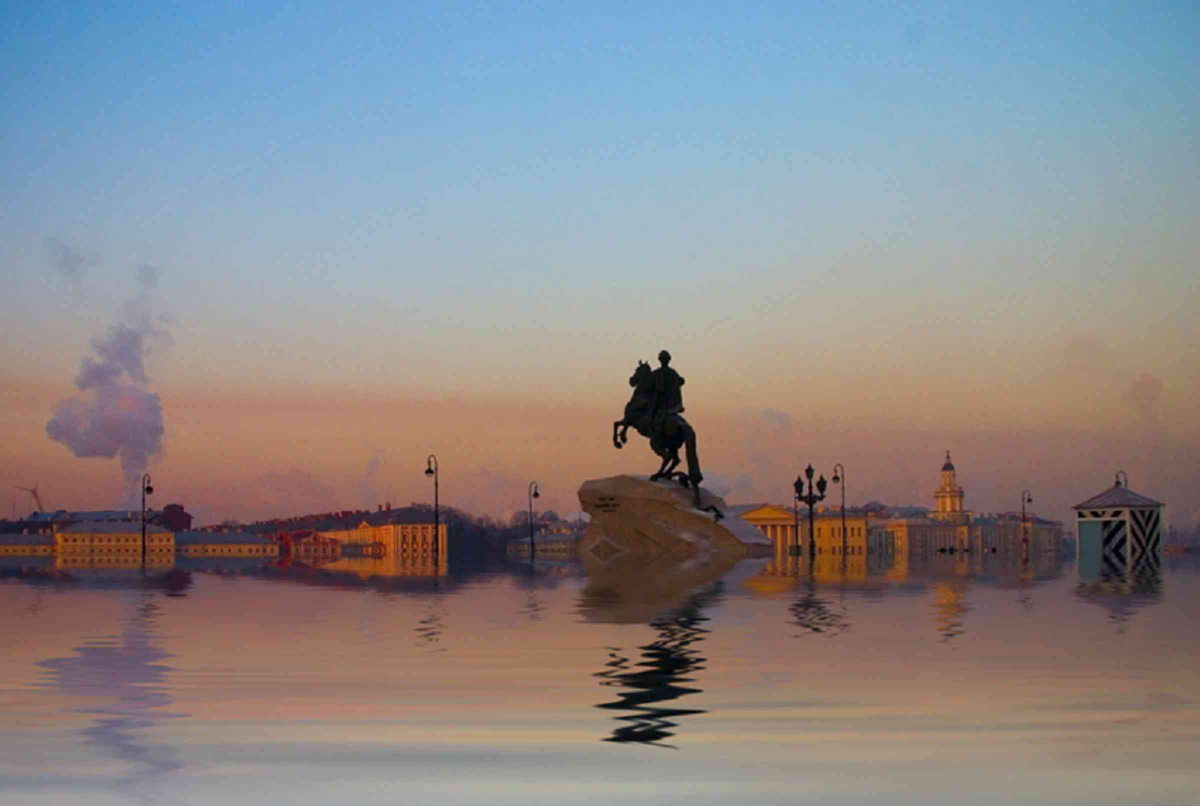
779	524
952	529
225	544
36	545
315	548
546	546
114	545
890	543
948	498
411	547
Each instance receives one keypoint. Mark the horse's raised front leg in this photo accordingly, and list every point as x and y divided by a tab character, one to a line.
618	435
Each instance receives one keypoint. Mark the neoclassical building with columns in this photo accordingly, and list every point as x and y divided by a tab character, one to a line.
889	537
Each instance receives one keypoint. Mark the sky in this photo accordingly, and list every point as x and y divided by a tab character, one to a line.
333	240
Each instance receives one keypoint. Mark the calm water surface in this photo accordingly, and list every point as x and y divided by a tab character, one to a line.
944	686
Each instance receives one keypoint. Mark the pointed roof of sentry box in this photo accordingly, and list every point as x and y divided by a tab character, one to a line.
1117	496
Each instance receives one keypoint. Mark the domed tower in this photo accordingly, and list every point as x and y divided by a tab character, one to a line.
949	496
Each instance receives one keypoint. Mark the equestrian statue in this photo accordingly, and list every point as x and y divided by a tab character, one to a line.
655	411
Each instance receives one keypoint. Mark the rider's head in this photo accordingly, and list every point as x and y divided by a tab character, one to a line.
664	357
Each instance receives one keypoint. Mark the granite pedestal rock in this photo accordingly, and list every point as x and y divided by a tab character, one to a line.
647	544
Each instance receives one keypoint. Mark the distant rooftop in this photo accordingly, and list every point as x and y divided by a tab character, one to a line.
93	515
114	528
221	538
26	540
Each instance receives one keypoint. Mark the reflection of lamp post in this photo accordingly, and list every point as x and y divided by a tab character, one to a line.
841	479
146	490
1026	498
811	499
431	469
533	493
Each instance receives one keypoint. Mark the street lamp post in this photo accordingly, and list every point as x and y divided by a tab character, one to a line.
839	477
431	469
146	490
1026	498
794	549
811	499
533	493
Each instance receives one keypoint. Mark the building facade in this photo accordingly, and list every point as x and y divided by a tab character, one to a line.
225	544
410	545
886	540
113	544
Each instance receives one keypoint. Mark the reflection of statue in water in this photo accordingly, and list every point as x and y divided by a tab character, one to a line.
657	679
655	411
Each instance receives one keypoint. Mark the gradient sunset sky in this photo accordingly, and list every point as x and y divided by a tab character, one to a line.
867	234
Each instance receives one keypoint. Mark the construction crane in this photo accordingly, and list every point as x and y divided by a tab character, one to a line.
37	499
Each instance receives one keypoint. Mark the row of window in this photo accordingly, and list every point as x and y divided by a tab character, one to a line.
785	531
109	540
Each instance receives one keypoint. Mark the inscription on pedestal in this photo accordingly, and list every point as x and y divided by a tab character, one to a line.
607	503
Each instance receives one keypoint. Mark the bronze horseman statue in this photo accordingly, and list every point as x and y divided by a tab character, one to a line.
655	410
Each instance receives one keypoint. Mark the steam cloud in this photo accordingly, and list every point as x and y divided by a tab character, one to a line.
115	415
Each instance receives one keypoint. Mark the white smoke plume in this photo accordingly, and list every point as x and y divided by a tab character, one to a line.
115	415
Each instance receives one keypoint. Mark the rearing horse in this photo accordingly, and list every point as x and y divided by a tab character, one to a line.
675	432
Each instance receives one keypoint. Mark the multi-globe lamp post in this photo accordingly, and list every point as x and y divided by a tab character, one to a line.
431	469
146	490
533	493
810	498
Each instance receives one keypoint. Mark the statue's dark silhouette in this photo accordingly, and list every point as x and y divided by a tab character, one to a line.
655	411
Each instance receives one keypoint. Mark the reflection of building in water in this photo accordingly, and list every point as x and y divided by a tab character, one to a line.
665	665
815	616
118	544
36	545
951	528
950	607
891	540
779	524
557	546
125	678
113	544
1123	594
225	544
406	540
